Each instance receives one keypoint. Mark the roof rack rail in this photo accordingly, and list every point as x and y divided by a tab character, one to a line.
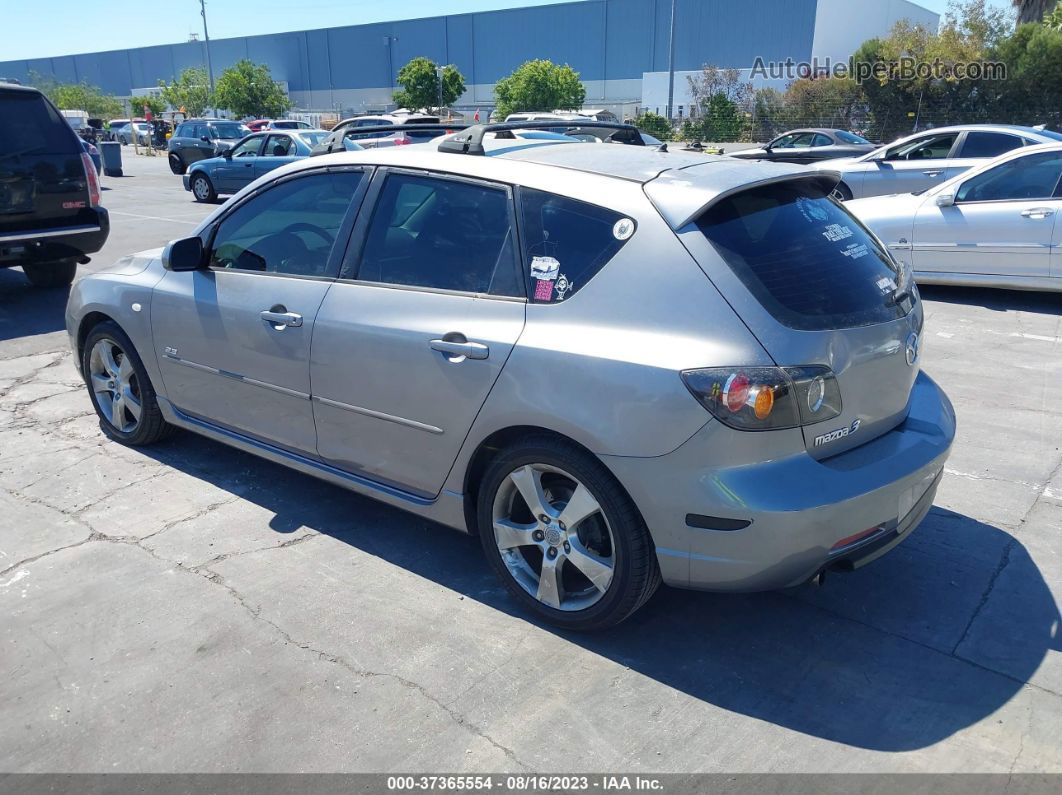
337	134
470	140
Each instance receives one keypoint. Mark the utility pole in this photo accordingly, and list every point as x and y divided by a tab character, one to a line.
439	73
671	64
206	47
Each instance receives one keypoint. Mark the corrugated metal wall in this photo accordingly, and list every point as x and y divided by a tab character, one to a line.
602	39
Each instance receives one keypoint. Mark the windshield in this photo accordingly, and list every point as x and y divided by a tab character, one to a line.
851	138
311	139
229	132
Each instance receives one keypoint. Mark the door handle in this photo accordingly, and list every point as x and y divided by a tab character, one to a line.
279	318
470	350
933	172
1037	212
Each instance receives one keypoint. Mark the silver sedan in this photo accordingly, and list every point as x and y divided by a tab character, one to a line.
928	158
993	226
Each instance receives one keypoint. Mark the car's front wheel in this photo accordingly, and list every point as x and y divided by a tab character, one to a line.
51	274
177	165
120	389
564	536
202	188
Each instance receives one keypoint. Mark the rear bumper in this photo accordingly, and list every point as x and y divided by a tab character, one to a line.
46	245
797	508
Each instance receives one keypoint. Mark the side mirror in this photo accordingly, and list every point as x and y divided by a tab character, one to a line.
226	153
204	138
945	200
185	254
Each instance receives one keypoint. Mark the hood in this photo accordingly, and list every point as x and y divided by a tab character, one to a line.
132	264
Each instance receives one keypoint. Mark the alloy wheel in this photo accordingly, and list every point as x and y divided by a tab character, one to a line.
113	381
553	537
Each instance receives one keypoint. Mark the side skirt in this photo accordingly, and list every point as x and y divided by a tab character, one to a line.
447	508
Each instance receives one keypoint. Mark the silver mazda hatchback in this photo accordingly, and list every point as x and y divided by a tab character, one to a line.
615	365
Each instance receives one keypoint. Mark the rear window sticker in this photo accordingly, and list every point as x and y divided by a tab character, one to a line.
811	209
623	229
562	286
543	290
835	232
545	268
855	251
886	285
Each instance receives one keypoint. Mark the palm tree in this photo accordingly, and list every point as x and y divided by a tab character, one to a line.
1032	10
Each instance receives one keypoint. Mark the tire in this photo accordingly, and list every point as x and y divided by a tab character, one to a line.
842	192
611	543
134	384
202	189
51	274
177	165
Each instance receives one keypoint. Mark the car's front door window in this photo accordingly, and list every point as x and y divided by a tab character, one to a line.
1030	177
248	148
932	147
289	229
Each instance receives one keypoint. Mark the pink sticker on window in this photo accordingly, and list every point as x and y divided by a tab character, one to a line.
543	290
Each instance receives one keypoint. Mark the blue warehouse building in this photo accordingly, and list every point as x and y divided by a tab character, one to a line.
619	47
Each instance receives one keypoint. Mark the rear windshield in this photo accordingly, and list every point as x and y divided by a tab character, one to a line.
851	138
804	257
29	124
313	138
230	132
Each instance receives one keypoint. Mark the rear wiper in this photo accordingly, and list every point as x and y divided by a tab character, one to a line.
6	155
899	295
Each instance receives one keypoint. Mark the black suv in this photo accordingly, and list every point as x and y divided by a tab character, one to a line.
198	139
50	218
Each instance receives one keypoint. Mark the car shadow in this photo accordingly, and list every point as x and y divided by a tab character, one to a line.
887	658
1046	303
26	311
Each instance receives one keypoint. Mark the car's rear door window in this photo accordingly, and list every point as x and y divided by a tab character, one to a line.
988	144
808	261
441	234
566	242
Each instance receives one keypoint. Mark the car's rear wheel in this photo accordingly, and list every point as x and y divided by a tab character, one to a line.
51	274
564	536
177	165
202	188
120	389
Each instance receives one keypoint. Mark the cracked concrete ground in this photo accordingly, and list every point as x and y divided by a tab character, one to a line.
191	608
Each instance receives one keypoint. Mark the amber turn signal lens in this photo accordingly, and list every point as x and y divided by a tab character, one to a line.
764	403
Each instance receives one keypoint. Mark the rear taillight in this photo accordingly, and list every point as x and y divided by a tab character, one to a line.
766	398
401	139
92	179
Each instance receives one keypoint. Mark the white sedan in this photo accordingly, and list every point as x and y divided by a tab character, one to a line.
992	226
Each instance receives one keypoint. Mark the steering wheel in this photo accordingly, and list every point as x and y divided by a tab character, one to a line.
302	226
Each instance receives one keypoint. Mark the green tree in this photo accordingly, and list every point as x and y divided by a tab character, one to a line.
191	91
654	125
539	85
1032	92
77	96
1033	10
723	119
825	102
420	85
157	105
770	114
248	89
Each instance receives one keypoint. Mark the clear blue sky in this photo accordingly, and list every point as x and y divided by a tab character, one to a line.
38	28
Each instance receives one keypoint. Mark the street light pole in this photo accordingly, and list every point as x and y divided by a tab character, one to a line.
206	47
439	74
671	63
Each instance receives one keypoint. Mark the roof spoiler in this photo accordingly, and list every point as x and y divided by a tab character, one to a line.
470	140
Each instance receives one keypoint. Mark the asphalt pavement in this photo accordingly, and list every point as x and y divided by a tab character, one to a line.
187	607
